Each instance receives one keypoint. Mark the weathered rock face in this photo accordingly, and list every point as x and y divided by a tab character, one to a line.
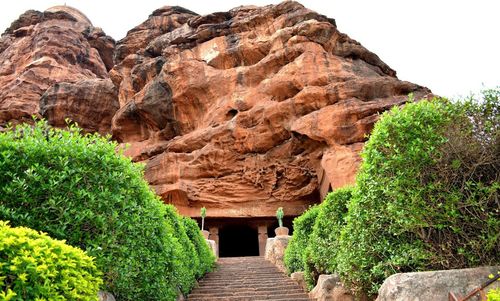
241	111
91	103
42	49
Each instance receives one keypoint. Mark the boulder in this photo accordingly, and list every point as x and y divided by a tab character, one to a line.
105	296
299	278
329	288
436	285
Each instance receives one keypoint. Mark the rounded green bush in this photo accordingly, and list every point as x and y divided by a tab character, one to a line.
302	229
206	258
34	266
321	252
75	187
426	196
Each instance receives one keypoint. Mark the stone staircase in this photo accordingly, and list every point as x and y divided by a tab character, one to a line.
246	279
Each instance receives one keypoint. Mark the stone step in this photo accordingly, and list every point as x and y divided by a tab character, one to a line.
228	280
244	293
247	276
204	290
279	283
295	297
246	279
245	282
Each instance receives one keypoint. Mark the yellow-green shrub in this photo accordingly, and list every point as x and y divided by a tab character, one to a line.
34	266
494	295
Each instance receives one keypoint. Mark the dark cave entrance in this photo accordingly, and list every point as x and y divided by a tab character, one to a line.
238	240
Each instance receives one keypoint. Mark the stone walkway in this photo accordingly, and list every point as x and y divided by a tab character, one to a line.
245	279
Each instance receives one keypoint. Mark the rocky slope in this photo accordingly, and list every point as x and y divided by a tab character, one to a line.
241	111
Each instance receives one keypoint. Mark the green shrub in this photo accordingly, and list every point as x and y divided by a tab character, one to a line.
427	194
204	253
75	187
186	261
321	253
36	267
302	229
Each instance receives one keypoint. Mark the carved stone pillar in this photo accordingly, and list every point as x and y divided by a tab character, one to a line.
214	235
262	229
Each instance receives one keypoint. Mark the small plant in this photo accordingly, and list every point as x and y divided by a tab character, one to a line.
36	267
279	215
203	215
494	294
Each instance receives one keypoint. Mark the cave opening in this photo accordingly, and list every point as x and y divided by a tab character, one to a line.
238	240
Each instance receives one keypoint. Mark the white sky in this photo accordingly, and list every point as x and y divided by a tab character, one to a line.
451	47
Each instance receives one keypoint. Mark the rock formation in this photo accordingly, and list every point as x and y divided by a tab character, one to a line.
241	111
48	52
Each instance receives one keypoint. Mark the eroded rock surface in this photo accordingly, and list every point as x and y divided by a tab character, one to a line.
241	111
41	49
91	103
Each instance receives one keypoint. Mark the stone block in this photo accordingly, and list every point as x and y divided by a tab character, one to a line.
105	296
212	245
275	250
299	278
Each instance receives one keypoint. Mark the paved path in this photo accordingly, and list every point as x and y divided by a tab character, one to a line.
246	279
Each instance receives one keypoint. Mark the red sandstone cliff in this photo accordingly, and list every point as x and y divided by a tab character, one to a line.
55	64
241	111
